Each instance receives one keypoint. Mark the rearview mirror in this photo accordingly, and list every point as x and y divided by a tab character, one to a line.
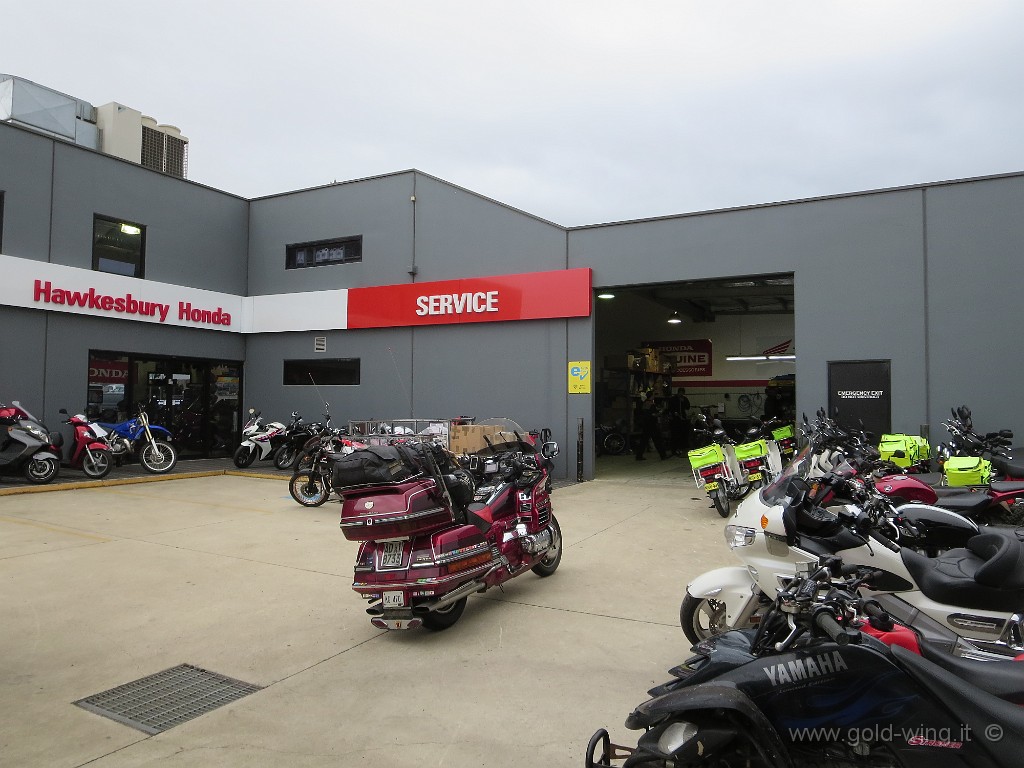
549	450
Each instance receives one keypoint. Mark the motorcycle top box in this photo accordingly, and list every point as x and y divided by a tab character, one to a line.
703	457
387	511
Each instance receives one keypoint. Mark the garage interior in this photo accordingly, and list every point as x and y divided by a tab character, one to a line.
727	344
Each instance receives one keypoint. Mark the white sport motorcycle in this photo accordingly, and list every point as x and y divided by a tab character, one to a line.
969	599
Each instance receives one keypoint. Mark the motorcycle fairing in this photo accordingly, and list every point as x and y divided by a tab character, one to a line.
849	689
974	708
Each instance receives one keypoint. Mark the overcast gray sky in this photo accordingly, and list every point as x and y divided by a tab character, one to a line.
577	111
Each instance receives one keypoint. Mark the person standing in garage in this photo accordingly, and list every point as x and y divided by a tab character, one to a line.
650	430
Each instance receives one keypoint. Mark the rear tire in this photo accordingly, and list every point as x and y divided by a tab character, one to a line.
721	501
158	457
98	466
308	489
244	456
549	564
446	617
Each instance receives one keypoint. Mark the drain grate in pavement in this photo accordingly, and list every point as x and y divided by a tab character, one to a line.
166	699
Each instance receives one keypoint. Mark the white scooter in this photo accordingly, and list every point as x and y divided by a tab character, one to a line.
260	440
968	600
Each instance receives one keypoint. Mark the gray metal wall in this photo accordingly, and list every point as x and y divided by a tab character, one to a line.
975	235
923	276
195	236
486	369
877	275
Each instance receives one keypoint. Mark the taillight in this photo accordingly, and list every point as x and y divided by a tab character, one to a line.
711	471
751	463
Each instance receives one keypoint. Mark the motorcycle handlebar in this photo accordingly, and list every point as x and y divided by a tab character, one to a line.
884	541
826	622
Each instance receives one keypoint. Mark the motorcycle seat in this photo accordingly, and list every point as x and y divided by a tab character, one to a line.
1008	467
934	479
965	503
1008	486
976	708
1004	679
988	574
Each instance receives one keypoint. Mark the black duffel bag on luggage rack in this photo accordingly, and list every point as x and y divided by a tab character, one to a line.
374	465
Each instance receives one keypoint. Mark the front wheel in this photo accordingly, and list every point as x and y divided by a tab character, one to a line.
158	457
40	471
614	443
701	618
244	456
309	489
97	464
549	564
285	456
721	501
445	617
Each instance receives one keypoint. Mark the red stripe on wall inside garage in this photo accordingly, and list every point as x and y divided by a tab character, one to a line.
719	383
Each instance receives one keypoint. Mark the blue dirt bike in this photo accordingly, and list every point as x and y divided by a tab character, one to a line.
150	441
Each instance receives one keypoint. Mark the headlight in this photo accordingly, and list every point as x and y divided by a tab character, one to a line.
739	536
675	736
37	433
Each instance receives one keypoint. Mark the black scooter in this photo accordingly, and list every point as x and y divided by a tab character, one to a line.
25	446
808	686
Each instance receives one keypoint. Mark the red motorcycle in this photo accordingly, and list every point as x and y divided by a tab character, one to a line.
89	450
435	528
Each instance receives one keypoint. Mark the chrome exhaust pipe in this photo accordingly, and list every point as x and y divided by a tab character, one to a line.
477	585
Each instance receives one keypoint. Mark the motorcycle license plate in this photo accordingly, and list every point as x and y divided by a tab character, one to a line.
754	476
712	486
391	554
393	599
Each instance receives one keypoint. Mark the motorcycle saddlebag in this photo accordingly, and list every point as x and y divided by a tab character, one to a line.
702	457
392	511
374	464
967	470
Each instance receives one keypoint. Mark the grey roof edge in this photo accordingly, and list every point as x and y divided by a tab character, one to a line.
415	172
798	201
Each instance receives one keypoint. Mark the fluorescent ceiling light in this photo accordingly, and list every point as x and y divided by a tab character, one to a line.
606	295
782	357
129	229
675	320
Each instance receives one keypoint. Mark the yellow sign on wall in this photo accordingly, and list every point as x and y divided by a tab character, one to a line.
579	377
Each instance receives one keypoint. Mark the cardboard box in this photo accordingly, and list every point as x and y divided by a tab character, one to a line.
469	438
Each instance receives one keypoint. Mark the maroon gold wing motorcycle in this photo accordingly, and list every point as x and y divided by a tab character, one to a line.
436	528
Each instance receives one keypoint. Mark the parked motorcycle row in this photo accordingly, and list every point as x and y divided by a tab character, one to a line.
30	449
875	616
434	527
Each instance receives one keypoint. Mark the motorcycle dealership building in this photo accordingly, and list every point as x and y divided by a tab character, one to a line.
404	296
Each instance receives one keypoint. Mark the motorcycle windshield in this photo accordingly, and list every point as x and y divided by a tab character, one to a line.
23	409
801	465
509	435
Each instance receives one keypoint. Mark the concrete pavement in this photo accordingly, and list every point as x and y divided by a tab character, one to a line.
104	585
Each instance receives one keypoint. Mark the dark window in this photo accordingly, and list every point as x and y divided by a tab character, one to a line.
308	372
118	247
344	250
